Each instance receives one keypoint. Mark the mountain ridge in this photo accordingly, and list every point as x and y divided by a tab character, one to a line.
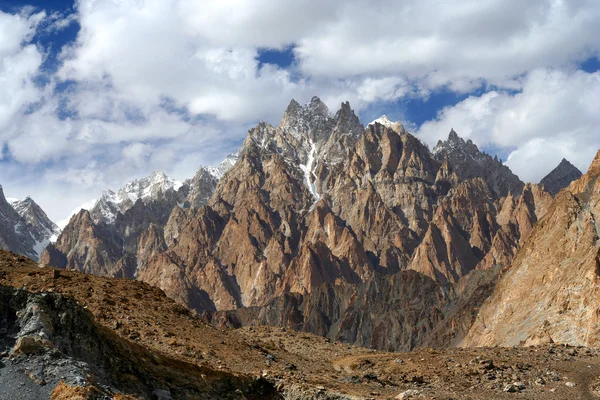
320	209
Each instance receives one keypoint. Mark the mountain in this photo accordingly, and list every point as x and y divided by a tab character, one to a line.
383	120
26	229
105	239
146	189
360	234
41	228
468	162
560	177
549	294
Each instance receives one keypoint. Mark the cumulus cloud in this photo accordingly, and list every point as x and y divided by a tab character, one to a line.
171	84
554	116
458	44
19	64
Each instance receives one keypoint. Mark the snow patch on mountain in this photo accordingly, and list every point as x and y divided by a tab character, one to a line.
308	169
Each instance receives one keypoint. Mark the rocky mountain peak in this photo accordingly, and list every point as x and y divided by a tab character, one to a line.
293	108
308	119
146	189
385	121
456	143
347	122
453	137
316	106
469	162
42	227
560	177
26	229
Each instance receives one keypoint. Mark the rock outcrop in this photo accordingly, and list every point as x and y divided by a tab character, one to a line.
560	177
550	293
469	162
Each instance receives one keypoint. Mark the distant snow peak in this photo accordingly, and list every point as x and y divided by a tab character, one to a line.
225	165
145	189
385	121
218	171
34	223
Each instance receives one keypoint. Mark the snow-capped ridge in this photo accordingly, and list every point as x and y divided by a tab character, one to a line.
34	223
385	121
145	189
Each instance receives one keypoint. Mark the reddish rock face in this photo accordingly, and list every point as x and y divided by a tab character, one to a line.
550	294
317	215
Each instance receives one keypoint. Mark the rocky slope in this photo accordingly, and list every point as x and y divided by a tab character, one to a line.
560	177
66	335
550	293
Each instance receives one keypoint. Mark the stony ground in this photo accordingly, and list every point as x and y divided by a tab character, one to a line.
546	372
302	365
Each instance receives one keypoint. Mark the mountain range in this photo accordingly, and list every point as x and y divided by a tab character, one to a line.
359	234
322	225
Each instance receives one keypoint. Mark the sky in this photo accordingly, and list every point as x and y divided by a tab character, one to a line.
94	93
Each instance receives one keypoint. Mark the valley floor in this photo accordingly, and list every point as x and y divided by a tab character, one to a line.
170	350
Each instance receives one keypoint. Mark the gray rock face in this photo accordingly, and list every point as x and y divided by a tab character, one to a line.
202	186
379	313
42	229
49	341
24	227
560	177
468	162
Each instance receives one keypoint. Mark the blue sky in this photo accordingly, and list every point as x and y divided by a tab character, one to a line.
99	92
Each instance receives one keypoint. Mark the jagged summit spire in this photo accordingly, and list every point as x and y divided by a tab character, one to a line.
297	113
293	107
469	162
453	136
560	177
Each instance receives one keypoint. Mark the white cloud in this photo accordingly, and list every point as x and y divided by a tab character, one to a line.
19	64
451	43
554	116
171	84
